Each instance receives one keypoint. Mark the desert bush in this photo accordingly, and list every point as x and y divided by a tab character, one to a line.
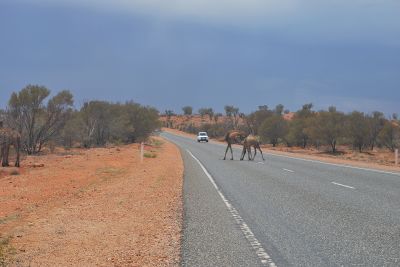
389	136
297	132
38	122
273	129
6	252
327	128
187	110
357	130
149	155
14	172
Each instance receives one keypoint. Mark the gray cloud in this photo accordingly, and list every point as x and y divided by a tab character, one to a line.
308	21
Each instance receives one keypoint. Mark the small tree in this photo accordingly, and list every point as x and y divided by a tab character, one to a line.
273	129
298	126
357	129
375	125
256	118
187	110
279	109
217	116
233	113
389	136
169	113
202	112
327	127
37	121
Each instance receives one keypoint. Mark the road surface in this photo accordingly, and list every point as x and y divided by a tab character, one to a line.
285	211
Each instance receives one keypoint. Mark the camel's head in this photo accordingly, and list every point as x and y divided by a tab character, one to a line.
240	136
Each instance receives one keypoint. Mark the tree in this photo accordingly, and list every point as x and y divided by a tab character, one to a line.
169	113
36	121
143	119
279	109
327	127
256	118
375	125
217	116
96	119
202	112
187	110
357	129
273	129
297	133
233	114
389	136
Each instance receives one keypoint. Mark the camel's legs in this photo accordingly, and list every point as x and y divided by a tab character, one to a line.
259	148
255	153
249	153
227	147
243	153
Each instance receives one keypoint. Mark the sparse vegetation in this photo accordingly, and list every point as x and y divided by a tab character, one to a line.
149	155
325	130
14	172
6	252
156	142
55	122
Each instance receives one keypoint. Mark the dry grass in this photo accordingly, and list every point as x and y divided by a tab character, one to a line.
101	206
150	155
6	252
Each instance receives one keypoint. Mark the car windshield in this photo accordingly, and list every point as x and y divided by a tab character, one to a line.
203	134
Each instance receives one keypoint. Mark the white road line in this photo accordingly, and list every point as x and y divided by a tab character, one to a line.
334	164
321	162
260	162
287	170
255	244
343	185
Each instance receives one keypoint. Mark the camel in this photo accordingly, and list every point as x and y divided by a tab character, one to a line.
8	138
251	141
233	137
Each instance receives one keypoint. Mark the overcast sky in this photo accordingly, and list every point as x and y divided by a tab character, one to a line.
206	53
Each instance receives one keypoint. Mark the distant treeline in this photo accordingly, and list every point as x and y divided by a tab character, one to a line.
43	121
305	127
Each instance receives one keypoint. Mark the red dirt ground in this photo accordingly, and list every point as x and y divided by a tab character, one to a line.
97	207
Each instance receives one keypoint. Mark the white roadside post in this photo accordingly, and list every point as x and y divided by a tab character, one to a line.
141	151
396	157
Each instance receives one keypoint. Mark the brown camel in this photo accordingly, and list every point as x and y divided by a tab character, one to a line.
233	137
8	138
251	141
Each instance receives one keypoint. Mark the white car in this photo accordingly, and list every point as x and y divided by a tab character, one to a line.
202	136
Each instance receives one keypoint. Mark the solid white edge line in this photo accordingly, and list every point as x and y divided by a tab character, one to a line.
318	161
343	185
255	244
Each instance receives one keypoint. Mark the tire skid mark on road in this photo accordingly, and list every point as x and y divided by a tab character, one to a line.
248	233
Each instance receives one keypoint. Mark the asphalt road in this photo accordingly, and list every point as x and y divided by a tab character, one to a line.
285	211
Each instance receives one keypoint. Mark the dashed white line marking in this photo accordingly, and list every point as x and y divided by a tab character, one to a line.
287	170
260	162
318	161
347	186
255	244
334	164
